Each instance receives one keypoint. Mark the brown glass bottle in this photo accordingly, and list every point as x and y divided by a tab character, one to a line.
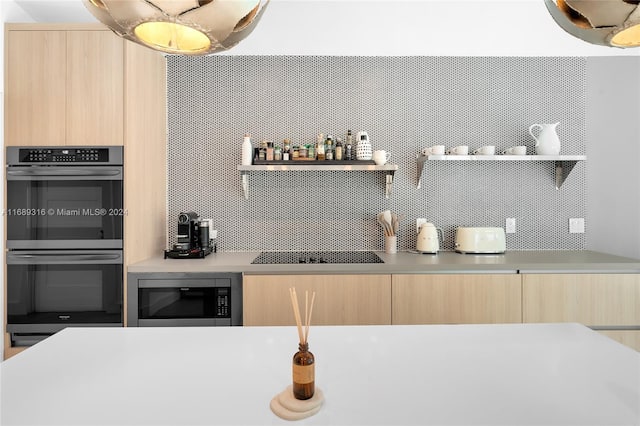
304	376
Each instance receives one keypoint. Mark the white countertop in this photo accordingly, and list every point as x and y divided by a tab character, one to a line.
519	374
535	261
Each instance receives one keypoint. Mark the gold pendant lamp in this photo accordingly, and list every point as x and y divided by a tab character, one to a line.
183	27
604	22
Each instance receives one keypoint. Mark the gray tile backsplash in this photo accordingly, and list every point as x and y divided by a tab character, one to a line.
405	103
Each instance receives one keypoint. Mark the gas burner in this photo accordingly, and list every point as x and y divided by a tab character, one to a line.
314	257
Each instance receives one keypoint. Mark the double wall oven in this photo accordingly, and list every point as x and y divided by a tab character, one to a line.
64	257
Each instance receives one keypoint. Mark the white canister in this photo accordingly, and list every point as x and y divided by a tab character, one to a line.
247	150
363	148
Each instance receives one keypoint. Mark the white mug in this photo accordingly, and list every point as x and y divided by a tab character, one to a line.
485	150
433	150
516	150
459	150
381	157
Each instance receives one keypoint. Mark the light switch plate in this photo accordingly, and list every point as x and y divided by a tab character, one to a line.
576	225
510	225
419	223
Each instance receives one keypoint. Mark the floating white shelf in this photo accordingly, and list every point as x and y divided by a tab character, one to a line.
388	169
563	163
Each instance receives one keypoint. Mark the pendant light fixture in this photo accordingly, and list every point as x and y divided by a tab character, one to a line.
183	27
604	22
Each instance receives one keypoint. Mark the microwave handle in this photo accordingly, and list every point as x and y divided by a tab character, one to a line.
45	171
70	258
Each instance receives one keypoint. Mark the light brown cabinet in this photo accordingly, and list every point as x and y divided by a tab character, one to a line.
340	299
590	299
63	86
456	299
608	302
79	84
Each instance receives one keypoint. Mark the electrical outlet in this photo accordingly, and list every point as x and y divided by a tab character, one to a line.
576	225
419	223
510	225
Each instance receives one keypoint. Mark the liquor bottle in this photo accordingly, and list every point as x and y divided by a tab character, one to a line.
320	147
328	149
286	150
339	155
348	155
303	372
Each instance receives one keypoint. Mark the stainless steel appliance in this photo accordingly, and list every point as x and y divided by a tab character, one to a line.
64	198
64	236
288	257
187	299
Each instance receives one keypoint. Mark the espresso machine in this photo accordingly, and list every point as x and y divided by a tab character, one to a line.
193	239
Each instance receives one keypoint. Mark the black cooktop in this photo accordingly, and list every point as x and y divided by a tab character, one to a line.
286	257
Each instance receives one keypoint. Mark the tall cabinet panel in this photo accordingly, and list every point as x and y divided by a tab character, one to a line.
79	84
35	87
64	86
94	88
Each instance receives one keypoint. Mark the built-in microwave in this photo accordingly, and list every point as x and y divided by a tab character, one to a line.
184	300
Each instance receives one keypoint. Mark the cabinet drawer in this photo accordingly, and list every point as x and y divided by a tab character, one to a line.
456	299
340	299
590	299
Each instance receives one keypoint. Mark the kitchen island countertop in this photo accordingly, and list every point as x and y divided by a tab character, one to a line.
579	261
509	374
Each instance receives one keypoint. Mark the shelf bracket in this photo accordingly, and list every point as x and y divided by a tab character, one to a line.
421	159
245	184
389	184
563	168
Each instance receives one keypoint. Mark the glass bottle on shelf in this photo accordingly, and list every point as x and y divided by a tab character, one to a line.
269	151
349	146
320	147
339	155
328	148
303	372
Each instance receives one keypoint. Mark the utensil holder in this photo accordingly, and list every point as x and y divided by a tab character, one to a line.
391	244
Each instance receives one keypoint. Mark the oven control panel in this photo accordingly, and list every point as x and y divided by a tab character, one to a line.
64	155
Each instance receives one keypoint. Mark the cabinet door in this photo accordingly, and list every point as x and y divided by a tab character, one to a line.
340	299
590	299
35	88
95	88
456	299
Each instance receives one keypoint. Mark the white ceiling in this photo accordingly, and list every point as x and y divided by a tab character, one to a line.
378	27
55	10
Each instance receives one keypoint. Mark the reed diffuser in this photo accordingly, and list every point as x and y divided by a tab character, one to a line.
303	360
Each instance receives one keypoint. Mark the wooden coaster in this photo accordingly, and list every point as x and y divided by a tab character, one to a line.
286	406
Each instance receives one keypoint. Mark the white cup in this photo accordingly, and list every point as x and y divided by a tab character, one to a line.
485	150
433	150
516	150
380	157
459	150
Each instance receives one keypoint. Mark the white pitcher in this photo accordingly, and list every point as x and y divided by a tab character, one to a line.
547	141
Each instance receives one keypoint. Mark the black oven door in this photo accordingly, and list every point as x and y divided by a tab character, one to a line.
51	207
48	290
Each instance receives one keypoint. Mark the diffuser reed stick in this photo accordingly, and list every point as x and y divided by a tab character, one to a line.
303	333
